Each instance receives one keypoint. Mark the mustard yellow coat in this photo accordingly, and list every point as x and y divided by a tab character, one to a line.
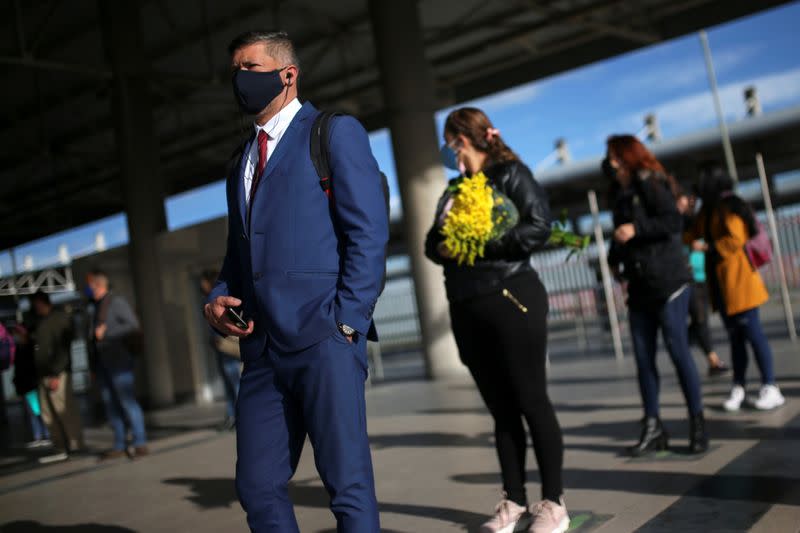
741	285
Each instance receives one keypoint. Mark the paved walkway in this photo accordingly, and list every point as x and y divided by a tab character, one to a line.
436	466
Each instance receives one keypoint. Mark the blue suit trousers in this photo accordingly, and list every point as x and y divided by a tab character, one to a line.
284	397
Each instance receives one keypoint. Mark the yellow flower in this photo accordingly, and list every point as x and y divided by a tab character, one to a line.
468	226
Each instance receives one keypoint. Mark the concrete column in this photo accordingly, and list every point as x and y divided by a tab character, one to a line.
142	184
410	103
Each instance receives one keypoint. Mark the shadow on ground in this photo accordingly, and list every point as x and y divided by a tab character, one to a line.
431	440
29	526
766	489
213	493
718	428
209	493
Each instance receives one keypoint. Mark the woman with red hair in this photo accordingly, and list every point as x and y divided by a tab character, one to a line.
648	246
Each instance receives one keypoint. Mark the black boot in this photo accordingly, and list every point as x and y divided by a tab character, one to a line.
698	439
654	438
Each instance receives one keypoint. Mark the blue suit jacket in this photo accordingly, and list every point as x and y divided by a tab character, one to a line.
305	263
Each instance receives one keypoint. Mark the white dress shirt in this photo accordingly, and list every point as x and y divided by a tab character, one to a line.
274	128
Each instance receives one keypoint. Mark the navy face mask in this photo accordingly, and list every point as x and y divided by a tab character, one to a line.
449	157
255	90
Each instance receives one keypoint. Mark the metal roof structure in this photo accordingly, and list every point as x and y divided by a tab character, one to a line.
58	161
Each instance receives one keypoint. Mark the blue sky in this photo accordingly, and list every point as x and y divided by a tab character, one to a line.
583	106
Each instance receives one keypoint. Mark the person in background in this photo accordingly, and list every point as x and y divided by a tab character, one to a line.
727	222
113	363
498	310
52	340
699	330
647	243
26	384
229	361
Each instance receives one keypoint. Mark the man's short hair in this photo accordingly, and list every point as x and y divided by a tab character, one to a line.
41	297
277	43
99	274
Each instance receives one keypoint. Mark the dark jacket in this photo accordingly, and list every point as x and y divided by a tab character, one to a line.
112	352
508	256
655	264
51	344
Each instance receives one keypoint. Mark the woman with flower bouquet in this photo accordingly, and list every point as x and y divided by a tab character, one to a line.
487	224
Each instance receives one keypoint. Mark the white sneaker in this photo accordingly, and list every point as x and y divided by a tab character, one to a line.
43	443
769	397
549	517
507	514
734	402
54	458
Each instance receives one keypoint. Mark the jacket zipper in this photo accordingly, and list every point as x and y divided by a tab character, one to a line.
513	299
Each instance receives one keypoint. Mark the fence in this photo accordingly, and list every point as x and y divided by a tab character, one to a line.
574	289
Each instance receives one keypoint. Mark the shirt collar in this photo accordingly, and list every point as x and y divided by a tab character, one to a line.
276	126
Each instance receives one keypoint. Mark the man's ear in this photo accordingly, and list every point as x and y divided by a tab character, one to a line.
291	75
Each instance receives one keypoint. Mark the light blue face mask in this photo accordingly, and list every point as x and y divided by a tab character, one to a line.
449	157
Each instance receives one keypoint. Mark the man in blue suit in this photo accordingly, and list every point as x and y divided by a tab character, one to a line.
305	270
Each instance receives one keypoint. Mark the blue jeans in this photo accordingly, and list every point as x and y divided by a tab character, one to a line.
671	318
230	370
746	327
122	408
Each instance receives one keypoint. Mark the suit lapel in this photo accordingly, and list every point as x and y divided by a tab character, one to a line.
289	138
287	142
239	183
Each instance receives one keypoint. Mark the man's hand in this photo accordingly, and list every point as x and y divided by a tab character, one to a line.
52	384
624	233
699	246
216	316
100	332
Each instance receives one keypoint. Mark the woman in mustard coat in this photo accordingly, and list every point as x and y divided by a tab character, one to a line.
726	222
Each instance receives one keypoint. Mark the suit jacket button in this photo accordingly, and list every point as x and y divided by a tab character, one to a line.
257	276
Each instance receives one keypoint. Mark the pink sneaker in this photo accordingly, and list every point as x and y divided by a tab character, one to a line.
507	514
549	517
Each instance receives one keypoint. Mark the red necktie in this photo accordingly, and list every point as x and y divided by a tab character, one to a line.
262	162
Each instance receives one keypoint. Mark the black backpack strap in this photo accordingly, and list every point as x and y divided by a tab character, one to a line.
320	133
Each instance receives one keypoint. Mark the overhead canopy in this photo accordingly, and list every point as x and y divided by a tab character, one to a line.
58	163
775	135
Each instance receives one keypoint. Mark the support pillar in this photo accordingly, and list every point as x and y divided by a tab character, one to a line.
142	184
410	102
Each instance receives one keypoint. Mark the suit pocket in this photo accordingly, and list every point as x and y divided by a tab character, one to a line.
312	274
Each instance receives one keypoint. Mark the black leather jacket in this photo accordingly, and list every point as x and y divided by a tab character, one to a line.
654	261
508	256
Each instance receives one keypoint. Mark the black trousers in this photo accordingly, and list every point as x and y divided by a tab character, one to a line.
505	349
699	332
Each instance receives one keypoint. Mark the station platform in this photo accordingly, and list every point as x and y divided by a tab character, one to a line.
436	467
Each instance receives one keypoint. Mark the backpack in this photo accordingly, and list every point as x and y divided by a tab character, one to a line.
8	349
758	248
320	135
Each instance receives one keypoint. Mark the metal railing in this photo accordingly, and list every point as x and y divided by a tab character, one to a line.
574	288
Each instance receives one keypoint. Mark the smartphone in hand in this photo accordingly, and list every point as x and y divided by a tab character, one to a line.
236	317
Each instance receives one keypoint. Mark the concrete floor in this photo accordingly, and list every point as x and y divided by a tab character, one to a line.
436	467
